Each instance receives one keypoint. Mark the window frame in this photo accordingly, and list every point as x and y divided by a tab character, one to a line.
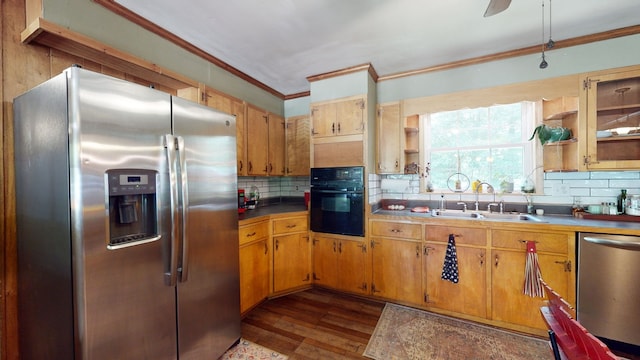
532	154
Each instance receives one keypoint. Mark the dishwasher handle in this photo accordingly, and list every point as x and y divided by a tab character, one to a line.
632	245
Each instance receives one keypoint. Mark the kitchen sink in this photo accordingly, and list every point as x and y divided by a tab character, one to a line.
486	215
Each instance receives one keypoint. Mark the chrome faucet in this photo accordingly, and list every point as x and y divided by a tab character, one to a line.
489	189
464	205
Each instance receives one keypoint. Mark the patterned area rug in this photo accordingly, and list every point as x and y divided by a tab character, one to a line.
249	351
406	333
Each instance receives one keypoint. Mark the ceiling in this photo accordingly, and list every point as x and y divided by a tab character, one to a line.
282	42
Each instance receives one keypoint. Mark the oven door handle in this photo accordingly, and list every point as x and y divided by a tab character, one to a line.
633	245
345	191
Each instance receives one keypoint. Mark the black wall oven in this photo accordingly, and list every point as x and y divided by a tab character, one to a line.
337	200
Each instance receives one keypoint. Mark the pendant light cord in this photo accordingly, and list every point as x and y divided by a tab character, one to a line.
550	43
543	63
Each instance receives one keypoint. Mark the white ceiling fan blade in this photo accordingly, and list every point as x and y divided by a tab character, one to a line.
496	6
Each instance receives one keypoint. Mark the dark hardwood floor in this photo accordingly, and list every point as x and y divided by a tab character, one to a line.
314	324
321	324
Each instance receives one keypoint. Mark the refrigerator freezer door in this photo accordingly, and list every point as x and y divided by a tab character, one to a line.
125	311
208	298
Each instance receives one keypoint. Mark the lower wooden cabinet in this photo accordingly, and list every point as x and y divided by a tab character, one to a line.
254	274
397	269
291	261
469	295
508	259
402	261
491	259
340	263
291	253
396	265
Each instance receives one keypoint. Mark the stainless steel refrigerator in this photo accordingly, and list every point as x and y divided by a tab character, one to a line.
126	222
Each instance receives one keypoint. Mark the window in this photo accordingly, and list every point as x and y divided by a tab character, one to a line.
490	144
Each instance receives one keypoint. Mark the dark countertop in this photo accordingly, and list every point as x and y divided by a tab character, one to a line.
272	209
576	224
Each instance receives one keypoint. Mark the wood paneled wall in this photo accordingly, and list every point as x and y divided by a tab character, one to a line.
21	68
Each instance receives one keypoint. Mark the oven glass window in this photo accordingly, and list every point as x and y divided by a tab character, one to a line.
336	204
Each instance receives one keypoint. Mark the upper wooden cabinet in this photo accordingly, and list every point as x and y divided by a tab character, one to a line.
265	143
389	145
341	117
277	147
230	105
612	108
339	132
298	146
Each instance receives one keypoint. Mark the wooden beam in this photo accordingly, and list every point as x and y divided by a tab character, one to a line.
57	37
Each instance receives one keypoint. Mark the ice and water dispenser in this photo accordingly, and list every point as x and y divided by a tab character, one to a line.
133	216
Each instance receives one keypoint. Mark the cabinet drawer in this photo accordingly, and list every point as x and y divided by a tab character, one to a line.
253	232
295	224
548	242
394	229
467	236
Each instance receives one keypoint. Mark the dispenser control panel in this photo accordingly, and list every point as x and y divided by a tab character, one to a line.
131	182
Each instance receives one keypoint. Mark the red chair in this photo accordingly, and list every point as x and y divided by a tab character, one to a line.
569	339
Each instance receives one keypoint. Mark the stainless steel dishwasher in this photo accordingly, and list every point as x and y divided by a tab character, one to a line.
608	301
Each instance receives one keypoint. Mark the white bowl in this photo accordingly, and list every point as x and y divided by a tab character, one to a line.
623	130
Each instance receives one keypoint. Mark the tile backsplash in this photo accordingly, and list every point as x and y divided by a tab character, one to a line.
275	187
586	187
559	188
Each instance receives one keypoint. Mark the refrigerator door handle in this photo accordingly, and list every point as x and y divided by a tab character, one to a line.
170	277
183	269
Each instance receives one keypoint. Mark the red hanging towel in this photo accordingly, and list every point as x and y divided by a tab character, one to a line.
532	276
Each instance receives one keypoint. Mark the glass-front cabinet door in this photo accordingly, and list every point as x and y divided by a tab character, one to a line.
613	120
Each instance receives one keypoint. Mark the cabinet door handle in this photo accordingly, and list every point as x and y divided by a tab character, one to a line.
427	249
277	244
565	264
241	165
417	251
307	278
397	164
396	231
338	128
333	128
250	166
251	234
497	260
291	226
481	257
266	248
334	246
340	247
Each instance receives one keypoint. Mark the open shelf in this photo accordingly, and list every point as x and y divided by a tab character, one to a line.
558	109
